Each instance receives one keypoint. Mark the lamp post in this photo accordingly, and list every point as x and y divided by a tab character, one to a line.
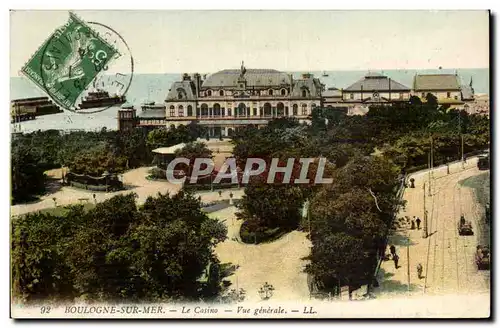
105	175
266	291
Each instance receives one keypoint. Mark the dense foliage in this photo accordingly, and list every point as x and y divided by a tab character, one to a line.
116	251
27	177
90	153
366	155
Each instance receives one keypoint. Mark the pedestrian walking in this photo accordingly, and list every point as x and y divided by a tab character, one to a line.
412	224
420	269
418	223
393	250
396	260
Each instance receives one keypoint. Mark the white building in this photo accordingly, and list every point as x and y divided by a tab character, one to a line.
230	99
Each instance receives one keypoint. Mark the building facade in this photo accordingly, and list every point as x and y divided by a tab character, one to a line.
230	99
147	119
373	88
445	87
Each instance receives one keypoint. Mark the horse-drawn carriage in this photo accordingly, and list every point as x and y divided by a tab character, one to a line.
483	257
464	227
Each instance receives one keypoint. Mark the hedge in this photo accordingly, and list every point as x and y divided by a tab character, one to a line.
202	187
266	235
90	187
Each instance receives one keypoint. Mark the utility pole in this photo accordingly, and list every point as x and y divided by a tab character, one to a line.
309	221
463	161
461	138
432	156
408	257
429	164
425	232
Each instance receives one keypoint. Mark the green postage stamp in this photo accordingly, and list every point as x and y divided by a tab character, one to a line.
69	61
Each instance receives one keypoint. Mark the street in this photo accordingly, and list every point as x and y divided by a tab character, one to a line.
447	258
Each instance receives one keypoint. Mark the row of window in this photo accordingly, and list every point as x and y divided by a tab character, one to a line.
242	110
376	95
401	95
152	122
270	92
448	95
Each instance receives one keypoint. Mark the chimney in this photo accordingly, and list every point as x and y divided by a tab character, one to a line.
197	83
389	89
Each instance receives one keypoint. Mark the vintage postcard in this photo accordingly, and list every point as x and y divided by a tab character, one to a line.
250	164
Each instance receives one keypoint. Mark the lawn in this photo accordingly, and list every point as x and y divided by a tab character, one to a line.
61	210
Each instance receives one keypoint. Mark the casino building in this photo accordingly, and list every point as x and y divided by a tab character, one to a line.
230	99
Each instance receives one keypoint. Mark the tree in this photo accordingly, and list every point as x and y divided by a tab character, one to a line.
27	177
348	226
174	241
117	251
192	151
96	161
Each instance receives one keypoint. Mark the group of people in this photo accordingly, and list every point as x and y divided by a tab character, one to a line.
416	220
395	258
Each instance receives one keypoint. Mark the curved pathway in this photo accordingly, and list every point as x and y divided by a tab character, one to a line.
279	262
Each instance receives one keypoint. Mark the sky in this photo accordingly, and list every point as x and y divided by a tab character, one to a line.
209	41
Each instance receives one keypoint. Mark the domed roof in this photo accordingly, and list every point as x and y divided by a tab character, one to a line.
254	78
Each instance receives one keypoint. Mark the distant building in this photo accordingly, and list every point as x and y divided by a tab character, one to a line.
480	105
230	99
36	106
467	91
147	119
332	100
127	119
375	88
445	87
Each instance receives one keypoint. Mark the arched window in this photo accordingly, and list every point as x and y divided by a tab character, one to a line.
313	106
304	93
280	109
172	110
271	92
204	110
190	110
283	92
295	110
216	110
304	110
267	110
209	93
221	93
180	110
181	93
242	109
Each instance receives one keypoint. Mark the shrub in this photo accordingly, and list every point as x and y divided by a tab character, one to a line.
251	234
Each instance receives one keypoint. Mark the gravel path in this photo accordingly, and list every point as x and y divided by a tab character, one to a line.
279	263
